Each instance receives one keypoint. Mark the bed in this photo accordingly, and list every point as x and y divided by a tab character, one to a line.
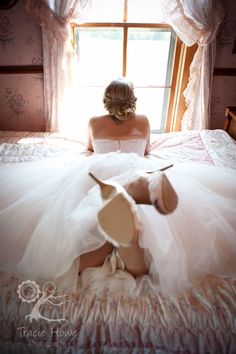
200	320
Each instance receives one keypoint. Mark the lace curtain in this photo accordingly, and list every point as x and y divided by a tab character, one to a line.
196	22
59	62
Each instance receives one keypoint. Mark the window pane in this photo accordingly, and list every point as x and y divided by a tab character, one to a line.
150	101
145	11
99	52
147	56
107	11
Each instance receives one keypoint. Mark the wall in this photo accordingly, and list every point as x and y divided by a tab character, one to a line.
21	94
224	85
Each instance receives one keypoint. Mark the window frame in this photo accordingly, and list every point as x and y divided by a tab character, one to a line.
182	57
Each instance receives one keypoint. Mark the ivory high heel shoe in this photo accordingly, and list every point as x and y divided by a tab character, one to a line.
154	188
117	219
161	193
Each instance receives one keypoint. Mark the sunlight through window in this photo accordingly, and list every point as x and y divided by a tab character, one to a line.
125	38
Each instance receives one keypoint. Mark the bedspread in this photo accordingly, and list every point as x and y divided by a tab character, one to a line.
206	146
201	320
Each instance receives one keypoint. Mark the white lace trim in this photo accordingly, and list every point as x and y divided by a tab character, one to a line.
155	187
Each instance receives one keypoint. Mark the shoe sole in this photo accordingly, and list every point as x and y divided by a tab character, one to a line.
117	221
170	199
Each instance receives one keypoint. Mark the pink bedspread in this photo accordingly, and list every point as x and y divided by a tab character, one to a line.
207	146
202	320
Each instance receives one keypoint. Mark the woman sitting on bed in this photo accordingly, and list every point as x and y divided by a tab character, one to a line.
122	123
124	130
124	219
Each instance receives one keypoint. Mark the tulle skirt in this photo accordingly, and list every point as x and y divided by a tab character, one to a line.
48	218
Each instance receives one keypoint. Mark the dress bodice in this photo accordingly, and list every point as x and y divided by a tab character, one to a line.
102	146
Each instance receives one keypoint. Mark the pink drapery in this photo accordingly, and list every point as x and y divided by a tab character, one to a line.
196	22
193	21
59	62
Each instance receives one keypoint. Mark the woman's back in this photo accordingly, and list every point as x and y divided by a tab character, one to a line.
122	123
108	128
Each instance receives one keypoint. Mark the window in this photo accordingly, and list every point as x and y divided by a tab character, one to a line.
122	38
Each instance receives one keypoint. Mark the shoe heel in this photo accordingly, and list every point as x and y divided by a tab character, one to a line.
160	169
107	190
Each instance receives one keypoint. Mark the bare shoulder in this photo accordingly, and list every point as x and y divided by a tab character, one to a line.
143	120
97	120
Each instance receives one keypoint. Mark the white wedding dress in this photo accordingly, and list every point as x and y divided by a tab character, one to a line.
48	218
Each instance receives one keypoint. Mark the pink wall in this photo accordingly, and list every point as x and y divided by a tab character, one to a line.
224	87
21	95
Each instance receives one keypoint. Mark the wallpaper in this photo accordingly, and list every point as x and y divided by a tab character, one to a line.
21	95
21	103
223	95
224	87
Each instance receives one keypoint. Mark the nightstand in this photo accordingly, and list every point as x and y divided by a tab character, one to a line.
230	121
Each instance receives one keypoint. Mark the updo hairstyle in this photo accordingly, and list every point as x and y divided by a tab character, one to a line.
119	99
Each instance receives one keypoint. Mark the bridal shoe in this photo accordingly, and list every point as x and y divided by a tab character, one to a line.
154	188
117	219
161	193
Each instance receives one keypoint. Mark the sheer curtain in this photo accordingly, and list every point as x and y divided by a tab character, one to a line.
196	22
59	62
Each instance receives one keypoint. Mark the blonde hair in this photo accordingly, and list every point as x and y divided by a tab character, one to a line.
119	99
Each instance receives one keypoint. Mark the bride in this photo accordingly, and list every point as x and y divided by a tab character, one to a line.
117	215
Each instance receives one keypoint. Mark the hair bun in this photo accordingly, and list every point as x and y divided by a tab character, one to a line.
119	99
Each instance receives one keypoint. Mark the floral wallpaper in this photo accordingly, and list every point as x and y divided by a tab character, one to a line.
21	103
224	87
21	95
226	37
